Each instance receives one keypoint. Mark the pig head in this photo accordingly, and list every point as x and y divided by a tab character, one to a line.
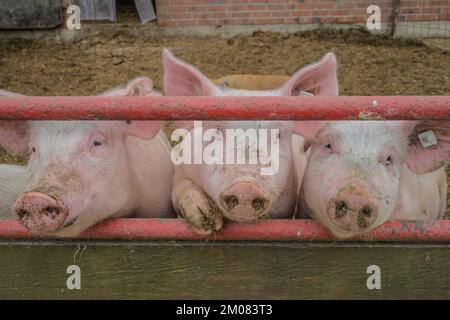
361	173
82	172
206	193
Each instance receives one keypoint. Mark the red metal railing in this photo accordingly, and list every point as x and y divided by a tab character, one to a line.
233	108
266	230
226	108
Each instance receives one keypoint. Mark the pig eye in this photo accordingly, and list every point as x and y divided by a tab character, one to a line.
388	161
328	146
97	143
33	150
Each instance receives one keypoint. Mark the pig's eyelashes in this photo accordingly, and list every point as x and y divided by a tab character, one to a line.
97	143
388	161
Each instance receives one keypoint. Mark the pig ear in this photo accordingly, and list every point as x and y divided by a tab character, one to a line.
182	79
428	155
142	129
5	93
137	87
309	129
13	134
141	87
319	79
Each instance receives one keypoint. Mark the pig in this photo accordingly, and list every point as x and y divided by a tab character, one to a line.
13	179
82	172
206	194
252	81
361	173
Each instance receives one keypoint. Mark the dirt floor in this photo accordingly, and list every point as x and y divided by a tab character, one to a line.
368	65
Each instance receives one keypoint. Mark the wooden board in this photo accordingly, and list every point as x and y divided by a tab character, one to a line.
30	14
223	270
98	9
145	10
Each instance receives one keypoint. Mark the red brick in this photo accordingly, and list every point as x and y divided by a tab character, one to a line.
280	14
200	15
240	14
216	8
178	9
271	21
327	5
199	9
221	15
276	7
236	8
185	23
181	16
208	22
214	12
260	14
256	7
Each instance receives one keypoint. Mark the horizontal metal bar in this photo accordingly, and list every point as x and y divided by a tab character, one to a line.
227	108
267	230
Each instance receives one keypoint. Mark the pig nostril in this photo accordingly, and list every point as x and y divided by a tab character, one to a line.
231	201
23	214
258	204
341	209
51	211
362	222
365	211
340	205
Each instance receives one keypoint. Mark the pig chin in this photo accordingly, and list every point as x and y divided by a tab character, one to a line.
245	218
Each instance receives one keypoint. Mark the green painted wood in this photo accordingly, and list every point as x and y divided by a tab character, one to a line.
220	270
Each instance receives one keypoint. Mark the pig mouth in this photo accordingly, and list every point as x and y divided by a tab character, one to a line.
246	219
69	223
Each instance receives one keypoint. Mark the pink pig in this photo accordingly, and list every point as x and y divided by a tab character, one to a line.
82	172
204	194
361	173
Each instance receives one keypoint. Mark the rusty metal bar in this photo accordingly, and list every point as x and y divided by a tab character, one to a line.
267	230
227	108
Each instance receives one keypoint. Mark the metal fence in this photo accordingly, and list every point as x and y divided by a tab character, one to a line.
421	18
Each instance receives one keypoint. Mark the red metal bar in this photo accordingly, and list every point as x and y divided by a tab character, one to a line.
226	108
267	230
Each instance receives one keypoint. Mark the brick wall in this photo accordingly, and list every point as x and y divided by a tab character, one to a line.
268	12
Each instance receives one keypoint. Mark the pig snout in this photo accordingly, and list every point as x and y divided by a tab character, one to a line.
245	202
353	210
39	212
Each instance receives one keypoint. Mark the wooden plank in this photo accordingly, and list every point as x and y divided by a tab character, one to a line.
145	10
98	9
221	270
30	14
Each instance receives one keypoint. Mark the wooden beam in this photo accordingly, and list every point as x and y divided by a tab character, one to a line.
222	270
